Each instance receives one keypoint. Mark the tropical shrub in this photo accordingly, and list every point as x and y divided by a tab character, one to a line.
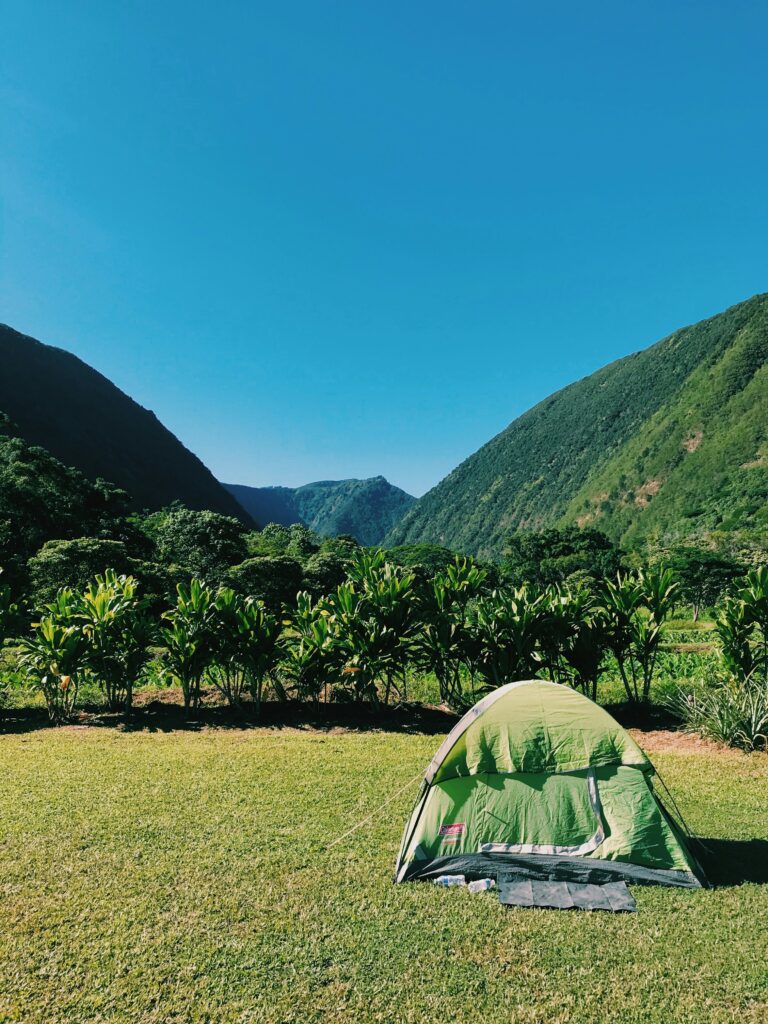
54	655
508	629
189	639
117	630
444	644
729	713
244	650
374	617
310	661
637	605
582	635
742	627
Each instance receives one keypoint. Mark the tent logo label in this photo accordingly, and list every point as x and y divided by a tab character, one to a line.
452	833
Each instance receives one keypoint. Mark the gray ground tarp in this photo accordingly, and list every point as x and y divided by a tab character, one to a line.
527	892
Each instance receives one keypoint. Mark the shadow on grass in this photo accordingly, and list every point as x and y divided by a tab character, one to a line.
167	716
645	717
729	862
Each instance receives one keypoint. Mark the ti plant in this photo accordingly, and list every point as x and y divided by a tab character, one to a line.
54	655
310	659
374	615
508	629
244	651
585	637
117	630
637	604
742	627
189	638
444	644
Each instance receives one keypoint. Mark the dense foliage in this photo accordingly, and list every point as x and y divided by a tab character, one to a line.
551	556
734	708
665	445
362	639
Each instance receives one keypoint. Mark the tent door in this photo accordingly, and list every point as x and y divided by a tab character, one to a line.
554	849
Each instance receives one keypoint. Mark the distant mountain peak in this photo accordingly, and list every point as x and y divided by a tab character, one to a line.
365	509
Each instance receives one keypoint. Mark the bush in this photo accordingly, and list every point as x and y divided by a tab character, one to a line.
323	573
117	631
203	544
275	581
54	656
729	713
73	564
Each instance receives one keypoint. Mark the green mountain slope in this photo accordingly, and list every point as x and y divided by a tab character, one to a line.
366	509
60	403
668	443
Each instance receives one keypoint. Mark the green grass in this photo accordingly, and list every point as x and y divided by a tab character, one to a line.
186	877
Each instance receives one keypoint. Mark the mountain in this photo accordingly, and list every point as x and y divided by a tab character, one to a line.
670	443
366	509
60	403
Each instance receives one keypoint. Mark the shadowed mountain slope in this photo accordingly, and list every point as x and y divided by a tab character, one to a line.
60	403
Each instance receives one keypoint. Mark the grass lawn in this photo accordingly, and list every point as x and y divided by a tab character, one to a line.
184	877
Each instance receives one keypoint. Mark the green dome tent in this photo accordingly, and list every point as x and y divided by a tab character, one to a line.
538	782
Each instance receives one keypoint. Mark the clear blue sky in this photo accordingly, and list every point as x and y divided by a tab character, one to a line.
324	240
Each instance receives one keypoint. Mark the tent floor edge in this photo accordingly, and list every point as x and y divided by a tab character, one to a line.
541	867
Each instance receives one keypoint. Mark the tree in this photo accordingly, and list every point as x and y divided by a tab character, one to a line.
295	541
323	573
271	541
302	543
41	499
202	544
8	612
73	564
275	581
431	558
704	575
551	556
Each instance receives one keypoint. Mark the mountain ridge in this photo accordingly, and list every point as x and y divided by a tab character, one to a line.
59	402
579	456
366	509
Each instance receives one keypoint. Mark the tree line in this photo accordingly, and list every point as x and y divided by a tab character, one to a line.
364	638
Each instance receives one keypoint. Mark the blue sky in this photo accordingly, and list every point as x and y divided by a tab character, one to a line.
324	240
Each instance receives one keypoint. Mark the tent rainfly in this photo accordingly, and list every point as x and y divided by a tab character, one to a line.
536	782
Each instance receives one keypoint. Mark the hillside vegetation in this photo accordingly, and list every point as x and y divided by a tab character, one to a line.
60	403
670	443
364	509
